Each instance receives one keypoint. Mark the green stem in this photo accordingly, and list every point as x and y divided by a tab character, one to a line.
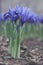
18	44
32	32
40	32
8	34
26	31
0	28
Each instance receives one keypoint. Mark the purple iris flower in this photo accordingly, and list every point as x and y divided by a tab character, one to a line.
41	19
29	17
4	16
18	9
32	18
12	15
25	15
0	17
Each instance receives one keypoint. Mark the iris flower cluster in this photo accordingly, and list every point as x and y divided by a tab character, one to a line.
24	14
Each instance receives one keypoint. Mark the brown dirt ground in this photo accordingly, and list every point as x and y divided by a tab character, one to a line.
31	53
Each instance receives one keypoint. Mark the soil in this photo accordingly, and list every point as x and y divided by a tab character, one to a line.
31	53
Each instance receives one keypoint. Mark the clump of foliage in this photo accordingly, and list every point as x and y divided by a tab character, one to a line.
17	24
